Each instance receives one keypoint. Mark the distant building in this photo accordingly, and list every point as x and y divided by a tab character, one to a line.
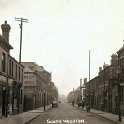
70	97
11	77
38	86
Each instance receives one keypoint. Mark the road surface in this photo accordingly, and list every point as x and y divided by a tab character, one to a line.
66	114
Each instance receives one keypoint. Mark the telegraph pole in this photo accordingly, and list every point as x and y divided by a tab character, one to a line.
89	83
103	107
89	64
21	20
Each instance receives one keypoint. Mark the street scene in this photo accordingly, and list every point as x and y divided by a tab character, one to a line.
62	62
67	114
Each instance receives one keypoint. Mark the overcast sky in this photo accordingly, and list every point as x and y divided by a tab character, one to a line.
61	32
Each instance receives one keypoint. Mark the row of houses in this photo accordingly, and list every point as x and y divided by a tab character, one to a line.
75	96
104	92
23	86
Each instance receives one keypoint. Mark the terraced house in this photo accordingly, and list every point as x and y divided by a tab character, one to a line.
106	90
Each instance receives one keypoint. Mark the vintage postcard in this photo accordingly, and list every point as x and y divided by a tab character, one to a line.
61	62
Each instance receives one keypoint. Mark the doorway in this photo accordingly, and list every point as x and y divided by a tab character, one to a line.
3	102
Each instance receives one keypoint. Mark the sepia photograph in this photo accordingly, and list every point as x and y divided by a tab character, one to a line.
61	62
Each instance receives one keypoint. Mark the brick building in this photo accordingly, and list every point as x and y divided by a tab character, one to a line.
121	76
11	77
103	89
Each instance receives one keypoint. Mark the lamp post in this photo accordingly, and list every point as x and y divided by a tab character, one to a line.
73	97
81	88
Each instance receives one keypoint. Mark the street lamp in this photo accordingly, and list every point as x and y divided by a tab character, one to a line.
81	88
73	97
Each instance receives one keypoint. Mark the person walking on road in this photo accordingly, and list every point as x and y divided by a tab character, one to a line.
73	103
82	104
87	107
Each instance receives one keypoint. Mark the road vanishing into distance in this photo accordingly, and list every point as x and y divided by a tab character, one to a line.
65	113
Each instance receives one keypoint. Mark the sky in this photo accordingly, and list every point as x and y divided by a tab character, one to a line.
60	34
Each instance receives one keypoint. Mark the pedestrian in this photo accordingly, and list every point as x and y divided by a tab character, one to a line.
82	104
73	103
87	107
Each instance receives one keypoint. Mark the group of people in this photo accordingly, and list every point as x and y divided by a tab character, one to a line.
83	104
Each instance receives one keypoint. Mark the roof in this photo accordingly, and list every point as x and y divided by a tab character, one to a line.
120	50
33	66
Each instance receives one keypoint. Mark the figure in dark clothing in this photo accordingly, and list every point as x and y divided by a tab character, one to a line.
73	103
87	107
82	104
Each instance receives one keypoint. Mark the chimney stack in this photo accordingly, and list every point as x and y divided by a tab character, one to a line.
100	69
85	80
105	65
114	59
5	31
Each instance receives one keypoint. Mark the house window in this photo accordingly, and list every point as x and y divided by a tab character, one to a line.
16	72
3	62
19	73
12	68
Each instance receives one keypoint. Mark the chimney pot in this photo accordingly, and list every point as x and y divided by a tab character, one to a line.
100	69
5	31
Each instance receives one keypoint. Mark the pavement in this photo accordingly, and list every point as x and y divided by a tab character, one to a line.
23	118
109	116
106	115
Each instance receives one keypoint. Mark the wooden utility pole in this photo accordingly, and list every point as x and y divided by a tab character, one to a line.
89	83
21	20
